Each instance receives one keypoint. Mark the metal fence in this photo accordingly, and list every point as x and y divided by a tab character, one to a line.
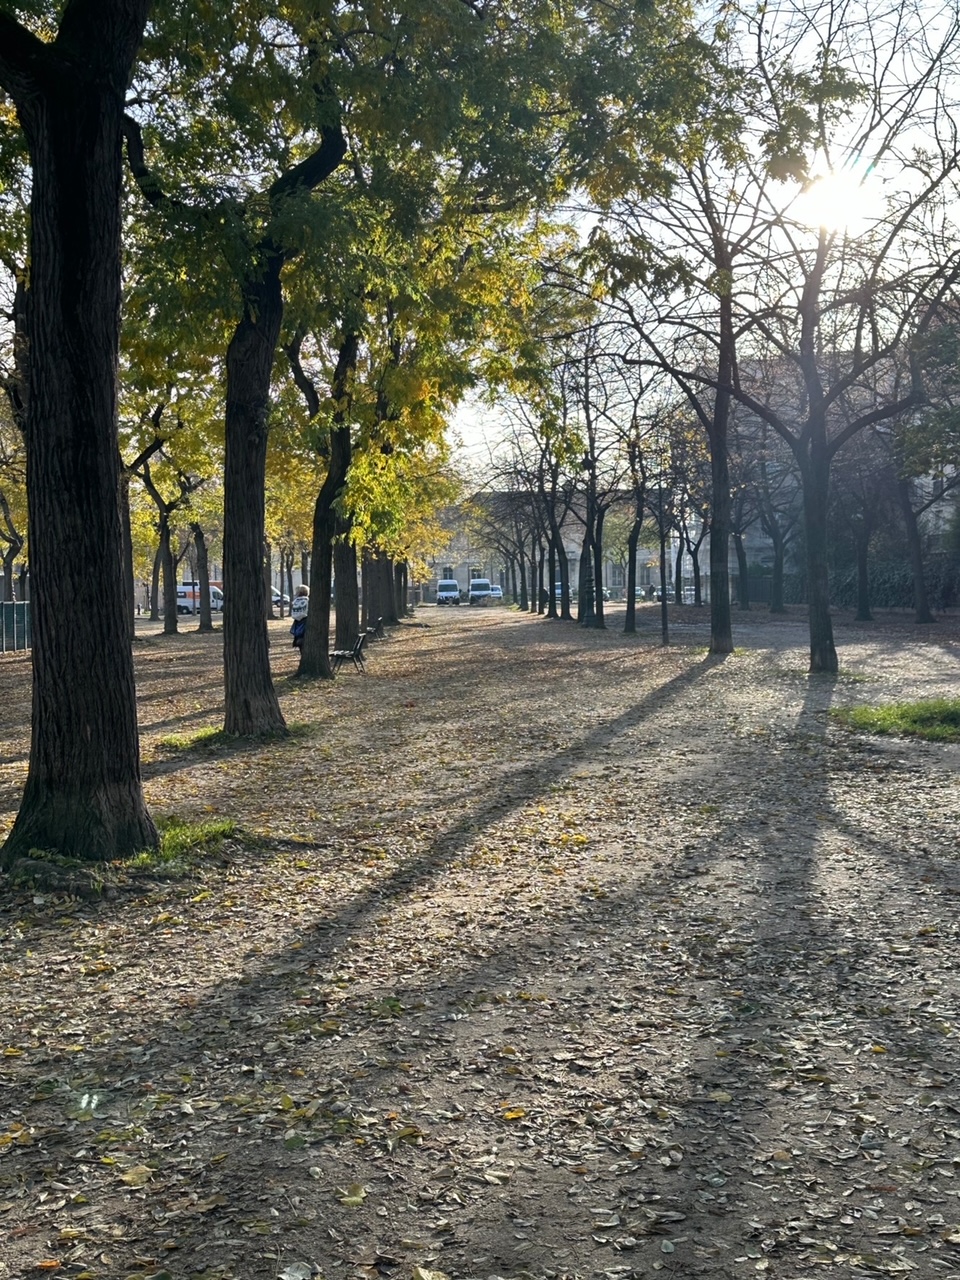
14	626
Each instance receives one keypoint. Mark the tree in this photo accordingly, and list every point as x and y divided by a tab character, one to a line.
83	792
824	304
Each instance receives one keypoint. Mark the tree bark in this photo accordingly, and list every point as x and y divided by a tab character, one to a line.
315	654
155	588
250	700
346	591
391	615
771	527
721	614
816	478
83	794
203	577
169	572
633	542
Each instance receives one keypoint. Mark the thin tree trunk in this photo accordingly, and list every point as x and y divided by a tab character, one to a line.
169	570
633	542
823	653
862	539
203	577
678	575
779	552
743	570
664	616
921	601
721	615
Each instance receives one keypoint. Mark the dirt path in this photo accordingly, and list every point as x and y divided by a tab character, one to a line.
562	955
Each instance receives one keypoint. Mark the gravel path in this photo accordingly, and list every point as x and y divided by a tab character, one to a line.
557	954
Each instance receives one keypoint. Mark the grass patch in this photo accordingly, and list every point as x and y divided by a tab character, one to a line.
935	719
182	845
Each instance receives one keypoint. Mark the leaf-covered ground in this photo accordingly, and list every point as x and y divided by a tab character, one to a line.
544	954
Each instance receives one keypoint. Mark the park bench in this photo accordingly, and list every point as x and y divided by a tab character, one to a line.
376	632
339	656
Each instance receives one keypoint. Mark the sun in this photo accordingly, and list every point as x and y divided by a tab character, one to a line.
841	200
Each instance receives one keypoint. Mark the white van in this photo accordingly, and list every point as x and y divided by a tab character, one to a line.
448	591
188	598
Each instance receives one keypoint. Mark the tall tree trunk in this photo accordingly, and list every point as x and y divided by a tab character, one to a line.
169	571
315	654
288	573
816	479
664	615
678	575
633	542
721	616
127	542
862	540
779	552
695	562
744	571
203	577
921	601
346	591
155	588
366	588
391	616
596	550
250	700
83	794
266	576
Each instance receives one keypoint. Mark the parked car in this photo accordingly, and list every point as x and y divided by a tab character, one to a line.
448	591
479	592
496	594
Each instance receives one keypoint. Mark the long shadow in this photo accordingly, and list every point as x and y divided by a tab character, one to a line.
161	1048
699	1133
791	1082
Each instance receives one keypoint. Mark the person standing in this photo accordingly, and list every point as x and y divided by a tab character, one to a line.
298	612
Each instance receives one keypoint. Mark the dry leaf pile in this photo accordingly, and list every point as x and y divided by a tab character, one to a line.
557	954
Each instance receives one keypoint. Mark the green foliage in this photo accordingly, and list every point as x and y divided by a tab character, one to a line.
182	843
934	719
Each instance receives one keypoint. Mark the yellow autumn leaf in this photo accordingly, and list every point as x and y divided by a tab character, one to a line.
354	1195
514	1113
138	1176
421	1273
